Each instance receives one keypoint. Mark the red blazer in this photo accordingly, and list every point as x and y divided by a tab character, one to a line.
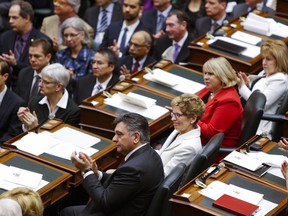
223	114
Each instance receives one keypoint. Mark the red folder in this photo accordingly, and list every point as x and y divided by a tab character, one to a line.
234	205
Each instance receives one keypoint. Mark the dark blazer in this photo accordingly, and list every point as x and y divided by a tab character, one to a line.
203	25
164	42
70	115
91	15
114	30
24	83
149	19
241	9
10	125
128	61
85	85
129	190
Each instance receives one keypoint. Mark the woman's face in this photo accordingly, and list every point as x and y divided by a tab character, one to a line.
48	86
213	83
182	123
72	37
268	64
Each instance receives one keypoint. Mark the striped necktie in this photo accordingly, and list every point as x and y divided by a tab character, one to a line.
104	21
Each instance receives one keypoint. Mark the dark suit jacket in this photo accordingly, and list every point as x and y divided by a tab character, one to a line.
241	9
129	190
203	25
114	30
10	125
91	15
164	42
24	83
70	115
149	19
128	61
85	86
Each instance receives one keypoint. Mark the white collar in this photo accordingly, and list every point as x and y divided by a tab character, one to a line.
130	153
62	103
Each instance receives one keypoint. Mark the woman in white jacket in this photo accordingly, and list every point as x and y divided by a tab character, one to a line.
184	143
272	81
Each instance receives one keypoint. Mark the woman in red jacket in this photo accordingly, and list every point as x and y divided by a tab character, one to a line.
223	110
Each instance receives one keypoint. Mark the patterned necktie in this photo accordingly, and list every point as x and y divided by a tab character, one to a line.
104	21
215	26
35	87
160	23
123	41
18	48
176	51
97	89
135	67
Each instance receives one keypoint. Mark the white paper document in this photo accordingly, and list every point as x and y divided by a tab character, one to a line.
75	137
138	100
246	38
153	112
173	81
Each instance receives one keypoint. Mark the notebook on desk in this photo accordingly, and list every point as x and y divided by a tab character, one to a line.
227	47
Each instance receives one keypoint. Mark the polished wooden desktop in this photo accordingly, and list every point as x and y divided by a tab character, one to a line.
106	158
200	51
58	185
282	8
99	118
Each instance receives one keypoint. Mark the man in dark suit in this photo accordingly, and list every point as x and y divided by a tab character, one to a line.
250	5
129	190
118	34
104	75
174	45
139	48
101	15
216	17
156	17
14	43
40	55
10	125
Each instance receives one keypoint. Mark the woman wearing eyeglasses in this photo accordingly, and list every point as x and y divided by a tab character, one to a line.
184	143
55	103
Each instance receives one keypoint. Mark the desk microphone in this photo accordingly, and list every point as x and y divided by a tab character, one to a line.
218	168
121	78
50	117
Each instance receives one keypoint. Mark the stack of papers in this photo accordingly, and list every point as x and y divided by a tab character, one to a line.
247	38
138	100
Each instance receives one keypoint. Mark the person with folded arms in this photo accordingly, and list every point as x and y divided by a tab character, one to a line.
184	143
55	103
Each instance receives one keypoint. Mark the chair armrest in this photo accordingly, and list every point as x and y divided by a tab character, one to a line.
226	150
274	117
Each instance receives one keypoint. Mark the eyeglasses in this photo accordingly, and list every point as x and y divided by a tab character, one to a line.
71	35
136	45
176	115
60	2
45	82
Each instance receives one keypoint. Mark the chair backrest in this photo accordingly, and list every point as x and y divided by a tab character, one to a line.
277	126
252	115
160	205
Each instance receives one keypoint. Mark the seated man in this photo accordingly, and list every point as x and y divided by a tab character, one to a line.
129	190
10	125
104	75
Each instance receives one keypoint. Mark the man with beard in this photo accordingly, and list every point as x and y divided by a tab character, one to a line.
40	55
139	47
118	34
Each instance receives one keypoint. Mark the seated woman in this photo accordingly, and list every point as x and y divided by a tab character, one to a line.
223	110
184	143
55	103
272	82
29	200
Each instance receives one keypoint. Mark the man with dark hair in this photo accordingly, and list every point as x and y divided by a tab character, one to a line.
40	54
174	44
10	125
14	43
129	190
104	75
216	17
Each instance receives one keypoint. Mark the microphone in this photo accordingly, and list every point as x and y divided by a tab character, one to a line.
121	78
50	117
218	168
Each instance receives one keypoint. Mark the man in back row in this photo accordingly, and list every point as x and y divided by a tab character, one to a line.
129	190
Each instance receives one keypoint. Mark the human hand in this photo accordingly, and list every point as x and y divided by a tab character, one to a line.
125	71
115	48
158	35
283	144
55	44
242	79
29	120
9	58
82	161
284	170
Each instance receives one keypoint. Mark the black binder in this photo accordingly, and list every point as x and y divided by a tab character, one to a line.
227	47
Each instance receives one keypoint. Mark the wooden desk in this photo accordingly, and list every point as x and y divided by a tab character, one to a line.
58	185
107	156
99	118
282	8
200	205
175	69
199	54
